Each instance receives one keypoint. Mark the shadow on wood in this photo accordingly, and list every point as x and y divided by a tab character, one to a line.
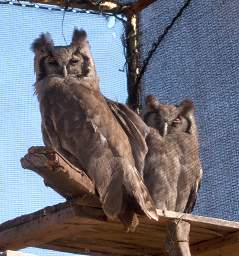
74	228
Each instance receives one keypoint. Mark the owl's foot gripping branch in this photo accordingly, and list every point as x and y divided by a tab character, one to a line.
80	226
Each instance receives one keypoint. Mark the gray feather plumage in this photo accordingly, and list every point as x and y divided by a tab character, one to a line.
172	170
78	122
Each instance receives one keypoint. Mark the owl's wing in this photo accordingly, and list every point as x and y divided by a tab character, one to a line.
187	169
49	136
193	194
90	135
135	129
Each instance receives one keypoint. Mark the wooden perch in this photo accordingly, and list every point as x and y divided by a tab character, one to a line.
82	229
80	225
177	239
59	174
72	183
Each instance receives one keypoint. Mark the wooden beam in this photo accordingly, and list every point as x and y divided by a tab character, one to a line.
132	51
82	227
216	244
44	226
107	6
204	222
98	6
58	173
39	229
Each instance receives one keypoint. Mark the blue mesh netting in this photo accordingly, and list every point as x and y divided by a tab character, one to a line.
199	59
23	191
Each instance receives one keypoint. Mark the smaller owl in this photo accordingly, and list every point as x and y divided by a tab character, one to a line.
172	169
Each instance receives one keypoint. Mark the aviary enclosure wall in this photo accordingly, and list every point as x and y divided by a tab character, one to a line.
198	59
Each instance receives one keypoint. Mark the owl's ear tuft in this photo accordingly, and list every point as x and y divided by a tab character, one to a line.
43	43
78	37
186	106
151	102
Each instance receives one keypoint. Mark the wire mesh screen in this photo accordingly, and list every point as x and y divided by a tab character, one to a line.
198	59
21	191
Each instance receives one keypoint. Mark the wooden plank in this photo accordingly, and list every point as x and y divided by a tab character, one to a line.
205	222
80	224
34	216
103	247
232	250
216	244
57	172
100	6
74	228
71	182
47	226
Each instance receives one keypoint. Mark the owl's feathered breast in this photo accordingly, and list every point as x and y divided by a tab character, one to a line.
80	118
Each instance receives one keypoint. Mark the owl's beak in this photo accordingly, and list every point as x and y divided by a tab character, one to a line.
64	71
165	129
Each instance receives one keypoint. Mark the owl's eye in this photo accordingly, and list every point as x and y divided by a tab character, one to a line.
74	61
52	62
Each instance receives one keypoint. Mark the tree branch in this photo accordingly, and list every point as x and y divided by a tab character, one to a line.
59	174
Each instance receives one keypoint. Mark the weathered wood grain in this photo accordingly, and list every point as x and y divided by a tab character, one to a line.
218	245
85	229
58	173
79	225
201	221
44	226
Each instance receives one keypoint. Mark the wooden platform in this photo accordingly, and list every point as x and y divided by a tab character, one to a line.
71	227
80	226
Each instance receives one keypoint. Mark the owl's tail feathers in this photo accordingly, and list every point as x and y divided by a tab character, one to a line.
115	207
135	185
129	219
112	201
126	187
117	203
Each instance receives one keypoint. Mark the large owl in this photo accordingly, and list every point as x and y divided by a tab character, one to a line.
77	121
172	167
